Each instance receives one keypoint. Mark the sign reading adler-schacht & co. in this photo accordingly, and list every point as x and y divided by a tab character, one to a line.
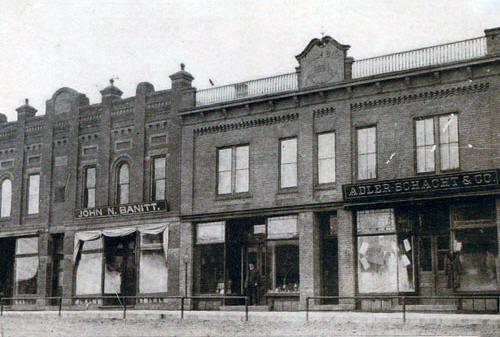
105	211
416	185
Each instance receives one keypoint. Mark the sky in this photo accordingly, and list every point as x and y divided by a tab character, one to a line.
49	44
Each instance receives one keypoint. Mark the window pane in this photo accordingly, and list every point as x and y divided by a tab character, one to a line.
288	175
33	193
160	189
209	277
362	167
286	267
453	128
371	165
282	227
224	159
92	245
88	274
26	275
123	194
159	167
27	246
289	151
210	232
362	141
406	271
326	145
90	198
241	181
124	174
113	274
371	140
377	264
153	272
429	158
152	239
420	132
376	221
242	157
90	177
224	182
454	155
326	171
421	156
477	251
6	198
429	131
445	156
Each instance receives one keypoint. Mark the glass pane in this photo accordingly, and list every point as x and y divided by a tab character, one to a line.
88	274
405	265
453	128
286	268
429	131
454	163
371	142
420	132
6	198
445	157
124	194
429	158
210	232
242	153
371	165
113	274
123	177
224	183
362	167
326	145
159	168
475	267
151	239
425	253
362	141
160	189
282	227
224	159
288	175
377	264
26	275
91	198
33	193
153	272
289	151
376	221
209	277
27	246
326	171
92	245
241	181
421	156
90	177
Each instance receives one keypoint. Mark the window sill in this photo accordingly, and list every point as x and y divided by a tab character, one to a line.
288	190
423	174
326	186
235	196
32	216
369	180
6	219
454	170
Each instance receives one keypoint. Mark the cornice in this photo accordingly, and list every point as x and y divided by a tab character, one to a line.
420	96
246	124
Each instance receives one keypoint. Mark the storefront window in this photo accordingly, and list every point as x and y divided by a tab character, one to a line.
153	266
89	268
209	258
477	251
26	265
385	257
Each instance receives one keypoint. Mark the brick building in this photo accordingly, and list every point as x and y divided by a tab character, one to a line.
346	177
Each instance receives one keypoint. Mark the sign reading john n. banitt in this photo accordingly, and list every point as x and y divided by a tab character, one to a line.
427	184
106	211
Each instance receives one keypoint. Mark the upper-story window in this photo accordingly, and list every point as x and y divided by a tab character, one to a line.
6	198
367	153
123	184
288	162
424	129
158	178
326	158
33	193
448	142
233	169
89	188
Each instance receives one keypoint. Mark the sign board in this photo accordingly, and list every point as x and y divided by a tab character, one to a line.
417	185
106	211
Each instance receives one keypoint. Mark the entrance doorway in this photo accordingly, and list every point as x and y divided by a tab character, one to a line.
329	257
254	254
120	276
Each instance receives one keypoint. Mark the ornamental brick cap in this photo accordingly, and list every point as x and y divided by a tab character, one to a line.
26	109
111	90
181	79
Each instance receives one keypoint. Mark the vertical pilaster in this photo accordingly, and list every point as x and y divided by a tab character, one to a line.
497	205
186	260
68	265
309	256
346	254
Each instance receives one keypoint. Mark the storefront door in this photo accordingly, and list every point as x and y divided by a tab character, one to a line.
433	280
255	254
7	247
120	270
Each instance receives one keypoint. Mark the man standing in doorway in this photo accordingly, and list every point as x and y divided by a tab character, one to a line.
252	282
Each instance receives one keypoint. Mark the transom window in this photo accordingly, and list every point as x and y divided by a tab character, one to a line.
123	184
158	178
233	169
288	163
326	158
6	198
367	153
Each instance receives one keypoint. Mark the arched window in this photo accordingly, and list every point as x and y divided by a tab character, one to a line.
123	184
6	198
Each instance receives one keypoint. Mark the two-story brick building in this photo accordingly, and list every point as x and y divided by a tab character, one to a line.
346	177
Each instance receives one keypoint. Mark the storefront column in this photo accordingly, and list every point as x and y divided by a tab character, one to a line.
346	256
309	254
186	261
67	285
43	269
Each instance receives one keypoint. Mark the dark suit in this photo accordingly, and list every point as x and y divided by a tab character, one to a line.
252	283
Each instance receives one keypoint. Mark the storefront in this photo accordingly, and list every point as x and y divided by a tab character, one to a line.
428	244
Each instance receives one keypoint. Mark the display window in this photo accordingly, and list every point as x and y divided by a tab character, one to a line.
385	255
26	266
89	268
153	265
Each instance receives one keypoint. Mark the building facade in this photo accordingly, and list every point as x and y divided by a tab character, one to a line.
347	177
